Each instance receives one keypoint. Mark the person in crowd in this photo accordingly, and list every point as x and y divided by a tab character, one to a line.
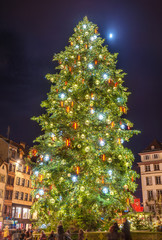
30	236
6	233
43	236
67	235
16	235
81	234
60	231
52	236
113	235
126	230
22	235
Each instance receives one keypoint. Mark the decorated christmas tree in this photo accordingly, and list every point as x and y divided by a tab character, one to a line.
83	171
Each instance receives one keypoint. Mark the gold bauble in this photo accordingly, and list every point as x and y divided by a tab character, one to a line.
79	145
108	121
82	136
109	160
120	157
75	86
108	90
66	102
78	63
52	200
85	59
87	122
82	189
87	97
61	179
81	41
87	149
69	175
71	113
78	107
97	82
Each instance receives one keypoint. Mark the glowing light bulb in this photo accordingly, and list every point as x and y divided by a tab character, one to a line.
76	46
92	38
62	95
41	192
105	190
41	163
122	141
36	173
105	76
102	142
92	111
46	158
100	117
90	47
110	172
110	35
37	196
90	65
122	126
74	178
84	26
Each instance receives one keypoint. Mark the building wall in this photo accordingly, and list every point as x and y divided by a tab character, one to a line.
151	179
3	180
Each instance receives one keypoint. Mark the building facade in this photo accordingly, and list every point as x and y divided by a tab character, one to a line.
17	198
3	180
151	178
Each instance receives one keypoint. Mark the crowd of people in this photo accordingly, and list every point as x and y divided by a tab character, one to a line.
62	235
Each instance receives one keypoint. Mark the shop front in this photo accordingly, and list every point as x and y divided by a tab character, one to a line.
21	215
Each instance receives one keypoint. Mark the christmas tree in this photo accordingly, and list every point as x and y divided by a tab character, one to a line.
83	172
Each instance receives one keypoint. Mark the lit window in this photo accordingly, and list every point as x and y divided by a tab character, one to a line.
152	147
18	212
26	213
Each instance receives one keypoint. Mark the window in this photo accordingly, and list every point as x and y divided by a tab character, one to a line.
152	147
148	181
27	183
19	167
157	180
147	168
2	178
155	156
23	182
10	181
3	167
159	194
26	213
8	195
18	212
24	169
18	181
13	154
5	209
146	157
150	195
156	167
21	196
26	197
16	195
13	212
30	198
1	193
10	167
151	208
13	167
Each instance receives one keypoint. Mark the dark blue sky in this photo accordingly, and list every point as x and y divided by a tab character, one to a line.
32	31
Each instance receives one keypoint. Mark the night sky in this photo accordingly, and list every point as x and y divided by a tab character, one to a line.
32	31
